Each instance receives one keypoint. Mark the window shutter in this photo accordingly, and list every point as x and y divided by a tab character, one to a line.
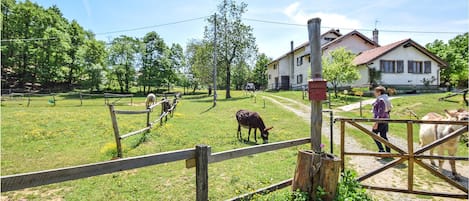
410	66
381	65
400	66
428	67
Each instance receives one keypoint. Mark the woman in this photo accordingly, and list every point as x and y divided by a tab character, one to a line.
381	110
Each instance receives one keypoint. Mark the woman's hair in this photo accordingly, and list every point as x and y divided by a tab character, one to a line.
381	90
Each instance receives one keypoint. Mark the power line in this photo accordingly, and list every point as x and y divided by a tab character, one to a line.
381	30
153	26
26	39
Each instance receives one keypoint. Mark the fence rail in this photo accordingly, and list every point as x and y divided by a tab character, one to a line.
410	155
201	155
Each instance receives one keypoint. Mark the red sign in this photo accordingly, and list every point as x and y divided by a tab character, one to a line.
317	90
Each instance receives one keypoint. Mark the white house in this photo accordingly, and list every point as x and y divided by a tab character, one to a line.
402	63
291	70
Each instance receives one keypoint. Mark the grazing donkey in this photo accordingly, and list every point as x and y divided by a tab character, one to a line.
151	99
432	132
248	119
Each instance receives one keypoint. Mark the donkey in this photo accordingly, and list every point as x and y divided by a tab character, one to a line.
151	99
432	132
248	119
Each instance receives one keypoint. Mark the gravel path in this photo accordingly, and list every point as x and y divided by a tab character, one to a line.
395	177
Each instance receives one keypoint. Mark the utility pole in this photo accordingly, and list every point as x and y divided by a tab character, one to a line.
314	32
215	60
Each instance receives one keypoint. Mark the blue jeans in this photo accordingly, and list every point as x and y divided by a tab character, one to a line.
382	131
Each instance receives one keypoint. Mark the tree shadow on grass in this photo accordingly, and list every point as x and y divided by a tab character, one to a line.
223	100
208	109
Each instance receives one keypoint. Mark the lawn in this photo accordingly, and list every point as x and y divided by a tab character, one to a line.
43	136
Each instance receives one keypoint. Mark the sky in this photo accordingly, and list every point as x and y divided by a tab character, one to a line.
396	19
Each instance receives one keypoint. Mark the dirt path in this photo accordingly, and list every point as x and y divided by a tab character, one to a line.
353	106
394	177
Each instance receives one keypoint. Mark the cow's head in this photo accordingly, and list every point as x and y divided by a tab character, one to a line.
459	115
265	135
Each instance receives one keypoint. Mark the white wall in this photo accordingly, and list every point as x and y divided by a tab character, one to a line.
273	73
354	44
405	78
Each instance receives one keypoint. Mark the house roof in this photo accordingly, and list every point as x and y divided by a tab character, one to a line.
370	55
325	46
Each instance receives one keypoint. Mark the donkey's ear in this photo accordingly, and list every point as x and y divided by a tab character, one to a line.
450	114
461	110
267	129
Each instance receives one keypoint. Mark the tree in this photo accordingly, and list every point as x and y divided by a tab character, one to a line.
91	58
241	75
199	58
338	68
155	61
235	40
455	53
77	38
177	63
260	70
123	54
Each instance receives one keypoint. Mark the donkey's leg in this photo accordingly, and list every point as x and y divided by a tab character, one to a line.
255	135
249	134
431	159
452	152
238	135
441	152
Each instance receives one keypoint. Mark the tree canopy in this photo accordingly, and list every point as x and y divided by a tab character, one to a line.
338	68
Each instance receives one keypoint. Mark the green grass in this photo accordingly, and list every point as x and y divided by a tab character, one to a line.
44	137
341	99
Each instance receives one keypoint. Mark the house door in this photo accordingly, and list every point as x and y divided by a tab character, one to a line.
276	83
285	82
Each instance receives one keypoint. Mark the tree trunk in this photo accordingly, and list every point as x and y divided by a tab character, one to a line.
228	81
335	90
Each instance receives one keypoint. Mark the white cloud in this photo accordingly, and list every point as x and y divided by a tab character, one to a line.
298	15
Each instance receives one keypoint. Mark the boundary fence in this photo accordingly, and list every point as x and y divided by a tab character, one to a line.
199	157
411	156
166	109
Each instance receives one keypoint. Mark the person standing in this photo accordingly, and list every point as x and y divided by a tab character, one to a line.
381	110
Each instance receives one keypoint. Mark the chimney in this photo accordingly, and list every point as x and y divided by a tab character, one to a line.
375	36
291	46
292	69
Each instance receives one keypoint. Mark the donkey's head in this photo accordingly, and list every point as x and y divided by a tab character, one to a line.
265	135
457	115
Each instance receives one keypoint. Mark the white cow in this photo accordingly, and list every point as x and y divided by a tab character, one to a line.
151	99
431	132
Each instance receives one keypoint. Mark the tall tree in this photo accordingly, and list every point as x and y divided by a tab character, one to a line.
123	54
199	60
235	40
260	70
155	61
77	38
455	53
338	68
177	63
92	58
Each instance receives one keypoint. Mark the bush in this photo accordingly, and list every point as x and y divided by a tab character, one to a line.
350	189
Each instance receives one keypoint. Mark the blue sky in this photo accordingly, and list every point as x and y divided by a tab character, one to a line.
102	16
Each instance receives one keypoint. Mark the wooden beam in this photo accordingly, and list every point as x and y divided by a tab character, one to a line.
442	176
115	127
383	168
135	132
442	140
202	153
410	150
375	154
465	123
447	195
263	191
457	158
32	179
246	151
377	137
131	112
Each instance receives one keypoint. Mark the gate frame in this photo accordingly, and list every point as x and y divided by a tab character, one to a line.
410	155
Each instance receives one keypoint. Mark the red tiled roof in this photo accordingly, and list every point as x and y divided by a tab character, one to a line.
370	55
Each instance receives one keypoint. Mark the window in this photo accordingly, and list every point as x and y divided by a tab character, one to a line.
417	67
428	66
309	59
270	77
391	66
299	79
328	39
299	61
275	66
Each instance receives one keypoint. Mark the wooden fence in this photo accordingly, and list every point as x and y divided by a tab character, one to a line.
199	157
411	156
166	109
108	96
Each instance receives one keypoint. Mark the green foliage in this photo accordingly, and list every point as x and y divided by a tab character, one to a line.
350	189
123	54
235	42
338	68
455	53
260	70
374	77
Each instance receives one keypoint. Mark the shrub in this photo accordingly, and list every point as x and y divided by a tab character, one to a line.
350	189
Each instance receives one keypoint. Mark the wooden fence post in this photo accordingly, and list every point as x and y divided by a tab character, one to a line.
342	144
116	131
202	152
410	150
29	99
81	100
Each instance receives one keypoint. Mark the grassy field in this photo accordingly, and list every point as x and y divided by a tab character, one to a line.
44	137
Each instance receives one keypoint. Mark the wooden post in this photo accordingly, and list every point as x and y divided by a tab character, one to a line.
131	100
264	102
116	131
361	107
331	127
162	112
215	60
148	117
202	152
29	99
342	144
314	32
81	100
53	99
311	165
410	150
